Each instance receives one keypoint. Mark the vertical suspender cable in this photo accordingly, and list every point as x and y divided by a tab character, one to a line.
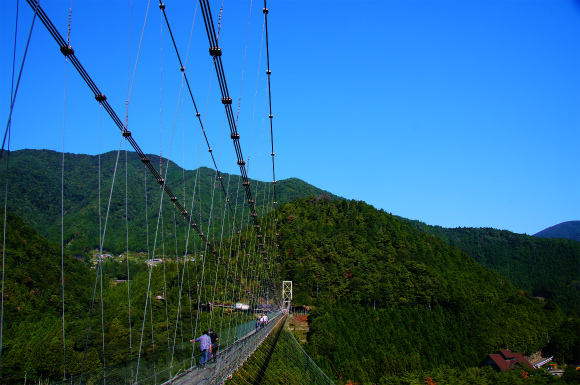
62	221
229	259
220	255
127	258
12	97
127	195
150	267
99	270
161	173
101	259
62	204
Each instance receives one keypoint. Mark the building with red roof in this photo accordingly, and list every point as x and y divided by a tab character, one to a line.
505	360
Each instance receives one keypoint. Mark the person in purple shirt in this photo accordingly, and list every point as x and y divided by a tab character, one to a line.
204	346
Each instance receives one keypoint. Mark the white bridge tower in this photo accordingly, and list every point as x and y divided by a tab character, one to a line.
286	295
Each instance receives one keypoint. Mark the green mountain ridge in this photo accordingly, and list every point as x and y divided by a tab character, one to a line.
390	299
35	195
545	267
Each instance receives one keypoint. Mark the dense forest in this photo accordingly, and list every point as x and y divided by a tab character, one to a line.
391	303
35	195
544	267
390	300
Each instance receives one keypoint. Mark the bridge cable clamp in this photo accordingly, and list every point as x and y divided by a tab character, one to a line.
67	50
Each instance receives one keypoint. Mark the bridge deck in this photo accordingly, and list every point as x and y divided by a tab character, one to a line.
227	361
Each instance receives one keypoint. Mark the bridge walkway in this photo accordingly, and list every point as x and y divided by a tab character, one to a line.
227	361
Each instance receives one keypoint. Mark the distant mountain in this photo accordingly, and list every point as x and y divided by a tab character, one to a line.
568	230
547	268
34	193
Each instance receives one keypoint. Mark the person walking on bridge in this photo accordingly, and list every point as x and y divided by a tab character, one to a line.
214	343
204	346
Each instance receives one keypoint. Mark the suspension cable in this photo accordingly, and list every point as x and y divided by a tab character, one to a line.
100	97
36	7
271	116
216	53
198	115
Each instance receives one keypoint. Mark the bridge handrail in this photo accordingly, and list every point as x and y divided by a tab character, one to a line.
124	373
227	361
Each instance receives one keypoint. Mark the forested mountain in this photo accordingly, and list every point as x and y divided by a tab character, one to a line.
175	299
391	296
33	301
390	299
546	268
35	195
568	230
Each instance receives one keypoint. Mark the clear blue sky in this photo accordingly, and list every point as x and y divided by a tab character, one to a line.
455	113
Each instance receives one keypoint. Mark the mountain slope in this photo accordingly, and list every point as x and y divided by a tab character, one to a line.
568	230
545	267
391	299
35	195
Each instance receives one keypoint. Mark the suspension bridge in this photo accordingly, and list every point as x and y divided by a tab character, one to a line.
213	259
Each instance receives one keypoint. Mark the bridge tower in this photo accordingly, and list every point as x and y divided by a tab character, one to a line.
286	295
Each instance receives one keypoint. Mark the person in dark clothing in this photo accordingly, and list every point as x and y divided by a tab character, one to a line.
205	347
214	343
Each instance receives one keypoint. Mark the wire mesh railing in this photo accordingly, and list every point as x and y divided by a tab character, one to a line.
217	370
165	365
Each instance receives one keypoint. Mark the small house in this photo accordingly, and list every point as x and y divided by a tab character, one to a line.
505	360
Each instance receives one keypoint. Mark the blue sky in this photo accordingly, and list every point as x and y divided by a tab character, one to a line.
455	113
